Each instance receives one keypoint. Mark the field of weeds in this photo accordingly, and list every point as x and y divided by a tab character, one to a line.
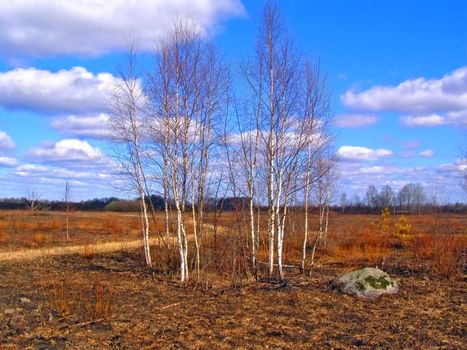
26	229
110	300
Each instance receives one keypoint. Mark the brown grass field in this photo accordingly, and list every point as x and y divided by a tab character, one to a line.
93	291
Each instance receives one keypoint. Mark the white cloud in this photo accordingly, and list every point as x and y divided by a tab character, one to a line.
96	126
456	168
355	120
356	153
419	96
457	118
32	170
66	91
427	153
27	168
373	170
6	142
356	178
377	173
7	162
423	120
44	28
68	150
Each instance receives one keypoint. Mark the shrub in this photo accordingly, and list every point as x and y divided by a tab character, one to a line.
385	220
403	230
123	206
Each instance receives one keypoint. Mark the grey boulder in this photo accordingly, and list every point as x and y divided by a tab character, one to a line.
366	283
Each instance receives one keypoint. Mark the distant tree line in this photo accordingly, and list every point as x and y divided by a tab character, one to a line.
56	205
410	199
117	204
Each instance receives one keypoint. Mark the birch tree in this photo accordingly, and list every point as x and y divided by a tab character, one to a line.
32	199
463	170
326	179
188	91
126	104
317	116
66	200
282	89
272	78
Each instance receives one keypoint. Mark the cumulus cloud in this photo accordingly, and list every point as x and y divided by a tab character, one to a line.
28	168
68	151
373	170
6	142
44	28
355	120
423	120
65	91
50	179
32	170
418	96
357	153
7	162
456	168
95	126
356	177
457	118
427	153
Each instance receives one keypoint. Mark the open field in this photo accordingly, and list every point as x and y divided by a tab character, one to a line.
108	300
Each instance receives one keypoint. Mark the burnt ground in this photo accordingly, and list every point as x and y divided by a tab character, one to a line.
110	301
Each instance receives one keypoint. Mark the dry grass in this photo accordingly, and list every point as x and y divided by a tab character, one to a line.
40	239
71	300
4	236
352	239
25	229
96	293
141	312
445	254
57	297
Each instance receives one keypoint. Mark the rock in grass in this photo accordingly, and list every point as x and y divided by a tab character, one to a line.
366	283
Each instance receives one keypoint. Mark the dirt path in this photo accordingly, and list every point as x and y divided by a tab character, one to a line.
106	247
102	247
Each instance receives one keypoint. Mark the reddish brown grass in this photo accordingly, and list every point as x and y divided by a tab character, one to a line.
352	239
40	239
446	254
66	299
49	225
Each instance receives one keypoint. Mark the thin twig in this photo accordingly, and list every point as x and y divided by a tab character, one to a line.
81	324
286	266
170	305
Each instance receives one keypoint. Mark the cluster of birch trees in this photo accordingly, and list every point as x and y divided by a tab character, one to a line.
188	127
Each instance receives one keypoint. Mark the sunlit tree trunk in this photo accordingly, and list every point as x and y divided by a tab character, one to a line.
126	105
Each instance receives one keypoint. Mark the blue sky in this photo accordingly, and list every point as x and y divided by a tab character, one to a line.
397	71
